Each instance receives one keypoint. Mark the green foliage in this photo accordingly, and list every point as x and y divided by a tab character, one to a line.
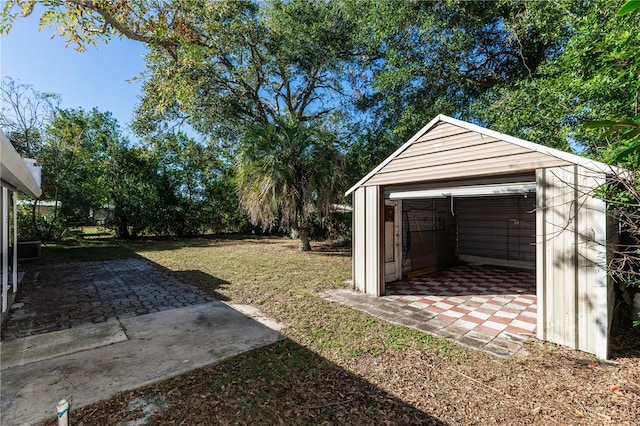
626	147
593	76
266	78
425	58
258	77
33	225
287	173
133	193
622	193
195	192
73	158
629	7
171	186
248	64
619	64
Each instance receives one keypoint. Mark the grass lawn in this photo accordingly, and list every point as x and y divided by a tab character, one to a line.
337	365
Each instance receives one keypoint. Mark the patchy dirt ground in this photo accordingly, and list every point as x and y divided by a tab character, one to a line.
339	366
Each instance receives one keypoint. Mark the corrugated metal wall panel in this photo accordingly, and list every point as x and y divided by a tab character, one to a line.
373	262
428	234
432	214
573	290
541	256
497	227
592	298
490	150
479	167
443	130
359	238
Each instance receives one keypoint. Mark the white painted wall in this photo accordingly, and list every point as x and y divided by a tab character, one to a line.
571	262
373	248
367	240
359	239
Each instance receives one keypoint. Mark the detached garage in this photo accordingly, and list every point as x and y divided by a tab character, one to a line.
456	192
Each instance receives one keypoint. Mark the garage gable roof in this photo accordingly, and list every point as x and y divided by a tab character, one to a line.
450	148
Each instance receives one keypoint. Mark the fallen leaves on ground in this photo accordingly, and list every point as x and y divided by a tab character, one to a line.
339	366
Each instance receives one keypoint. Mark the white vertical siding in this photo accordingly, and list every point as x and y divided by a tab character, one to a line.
573	308
359	238
367	240
373	261
541	255
593	281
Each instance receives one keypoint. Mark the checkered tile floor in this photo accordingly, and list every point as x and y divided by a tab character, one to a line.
486	299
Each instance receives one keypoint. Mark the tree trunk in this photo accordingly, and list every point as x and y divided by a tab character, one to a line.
303	234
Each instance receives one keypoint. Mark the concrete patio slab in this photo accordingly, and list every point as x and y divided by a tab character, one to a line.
158	346
40	347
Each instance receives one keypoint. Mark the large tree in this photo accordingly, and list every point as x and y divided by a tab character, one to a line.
74	155
594	76
223	66
258	70
422	58
288	173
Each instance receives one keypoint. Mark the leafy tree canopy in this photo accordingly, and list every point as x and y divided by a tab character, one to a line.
425	58
285	67
593	77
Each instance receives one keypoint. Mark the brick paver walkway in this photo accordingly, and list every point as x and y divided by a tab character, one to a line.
484	307
68	294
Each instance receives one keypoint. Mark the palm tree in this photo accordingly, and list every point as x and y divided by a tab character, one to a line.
287	172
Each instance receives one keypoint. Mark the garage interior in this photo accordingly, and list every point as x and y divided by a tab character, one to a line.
467	252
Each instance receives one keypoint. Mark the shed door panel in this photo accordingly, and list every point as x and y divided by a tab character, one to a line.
497	227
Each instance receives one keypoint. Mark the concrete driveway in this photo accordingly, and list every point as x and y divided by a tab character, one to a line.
85	361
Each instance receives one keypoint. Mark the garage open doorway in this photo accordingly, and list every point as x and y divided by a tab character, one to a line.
470	260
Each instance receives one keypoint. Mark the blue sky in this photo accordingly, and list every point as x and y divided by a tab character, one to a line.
95	78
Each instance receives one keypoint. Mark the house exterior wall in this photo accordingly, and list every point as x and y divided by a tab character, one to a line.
573	287
16	174
367	267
